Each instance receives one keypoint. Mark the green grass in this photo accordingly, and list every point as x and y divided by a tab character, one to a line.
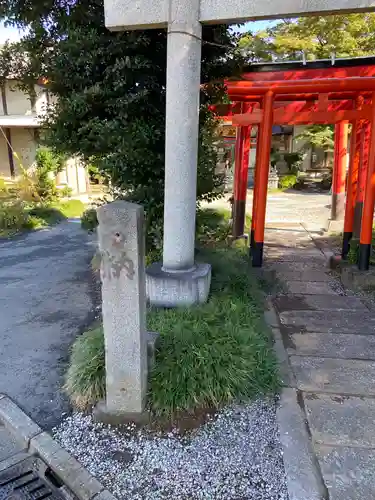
17	216
207	356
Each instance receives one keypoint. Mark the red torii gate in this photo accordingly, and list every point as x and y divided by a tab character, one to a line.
330	95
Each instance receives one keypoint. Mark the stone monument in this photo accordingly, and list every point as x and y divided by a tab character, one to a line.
121	245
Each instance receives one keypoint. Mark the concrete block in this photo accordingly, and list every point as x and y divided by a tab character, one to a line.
13	460
332	345
309	288
341	420
329	321
66	467
104	495
17	422
348	472
319	303
285	372
171	289
346	376
302	473
310	275
9	445
121	243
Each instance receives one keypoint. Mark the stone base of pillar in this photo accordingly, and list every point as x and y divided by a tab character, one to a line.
102	414
172	289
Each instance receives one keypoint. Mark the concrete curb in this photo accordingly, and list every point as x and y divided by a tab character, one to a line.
37	442
303	476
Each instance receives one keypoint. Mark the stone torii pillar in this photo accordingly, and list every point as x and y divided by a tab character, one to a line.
178	280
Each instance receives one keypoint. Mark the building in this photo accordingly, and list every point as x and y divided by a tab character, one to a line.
20	132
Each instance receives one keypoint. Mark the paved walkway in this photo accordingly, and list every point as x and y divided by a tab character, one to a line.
330	341
44	303
292	206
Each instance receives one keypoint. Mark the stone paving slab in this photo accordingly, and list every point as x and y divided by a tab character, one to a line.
309	288
346	376
348	472
341	420
332	345
298	265
308	275
317	260
329	321
318	302
291	252
8	444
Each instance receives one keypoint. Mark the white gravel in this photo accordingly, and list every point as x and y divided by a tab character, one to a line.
235	456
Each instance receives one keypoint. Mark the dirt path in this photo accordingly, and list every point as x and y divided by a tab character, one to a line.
44	302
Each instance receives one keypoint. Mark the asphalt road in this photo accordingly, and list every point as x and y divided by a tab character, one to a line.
45	302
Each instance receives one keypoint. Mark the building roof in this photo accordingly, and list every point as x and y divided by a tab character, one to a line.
317	64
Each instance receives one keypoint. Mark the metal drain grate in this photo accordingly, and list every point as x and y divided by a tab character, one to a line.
28	480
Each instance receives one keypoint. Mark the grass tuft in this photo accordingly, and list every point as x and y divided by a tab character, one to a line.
217	352
85	378
208	355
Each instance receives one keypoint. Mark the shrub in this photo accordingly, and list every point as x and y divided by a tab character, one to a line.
65	192
208	355
294	161
89	219
3	186
13	216
287	181
47	165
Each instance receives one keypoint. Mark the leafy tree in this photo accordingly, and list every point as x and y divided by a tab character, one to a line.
317	136
111	95
317	37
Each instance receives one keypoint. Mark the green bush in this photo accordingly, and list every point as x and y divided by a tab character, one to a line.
47	165
13	216
294	161
65	192
287	181
208	355
3	186
89	219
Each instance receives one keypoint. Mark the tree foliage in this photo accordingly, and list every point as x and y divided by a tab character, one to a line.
317	136
110	89
317	37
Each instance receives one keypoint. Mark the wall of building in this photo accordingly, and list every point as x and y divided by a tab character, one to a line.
18	103
4	160
24	145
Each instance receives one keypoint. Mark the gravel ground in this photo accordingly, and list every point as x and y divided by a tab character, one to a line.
235	456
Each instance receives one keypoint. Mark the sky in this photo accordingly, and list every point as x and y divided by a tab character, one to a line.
14	34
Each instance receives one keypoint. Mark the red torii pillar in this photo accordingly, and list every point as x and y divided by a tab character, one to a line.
362	177
352	184
261	182
339	171
368	205
241	169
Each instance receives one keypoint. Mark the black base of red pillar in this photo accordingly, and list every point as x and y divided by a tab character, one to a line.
257	254
239	214
364	257
346	244
357	219
251	240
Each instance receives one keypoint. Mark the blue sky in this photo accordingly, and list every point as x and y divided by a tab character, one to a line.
13	34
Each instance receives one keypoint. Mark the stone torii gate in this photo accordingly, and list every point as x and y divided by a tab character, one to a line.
178	280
